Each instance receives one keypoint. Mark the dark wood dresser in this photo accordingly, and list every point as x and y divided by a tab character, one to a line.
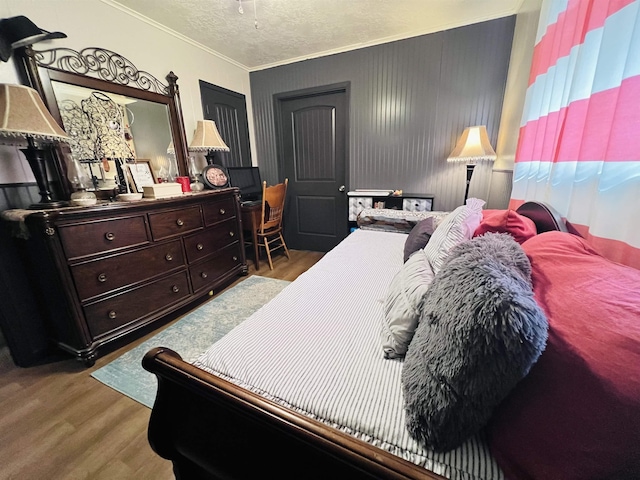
104	271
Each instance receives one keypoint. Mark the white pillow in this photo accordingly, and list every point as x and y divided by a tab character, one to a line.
403	303
456	228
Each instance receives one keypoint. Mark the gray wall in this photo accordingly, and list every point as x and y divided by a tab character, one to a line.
410	101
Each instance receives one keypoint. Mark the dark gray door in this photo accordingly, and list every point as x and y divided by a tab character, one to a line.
314	132
229	110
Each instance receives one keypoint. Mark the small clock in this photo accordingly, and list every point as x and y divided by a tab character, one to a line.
215	176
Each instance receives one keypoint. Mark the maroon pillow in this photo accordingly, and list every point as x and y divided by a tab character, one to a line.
577	414
418	237
518	226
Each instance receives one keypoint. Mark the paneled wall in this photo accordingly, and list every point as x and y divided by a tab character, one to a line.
410	101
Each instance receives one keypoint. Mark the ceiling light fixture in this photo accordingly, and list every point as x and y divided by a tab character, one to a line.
255	12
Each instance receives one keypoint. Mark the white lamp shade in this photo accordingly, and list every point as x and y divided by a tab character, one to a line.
23	114
207	138
473	146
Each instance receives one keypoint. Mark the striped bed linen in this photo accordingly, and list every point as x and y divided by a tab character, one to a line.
315	348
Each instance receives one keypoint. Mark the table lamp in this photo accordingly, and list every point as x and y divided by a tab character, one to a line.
207	139
24	115
473	146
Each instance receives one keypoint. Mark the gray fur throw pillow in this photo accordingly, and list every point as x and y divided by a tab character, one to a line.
480	332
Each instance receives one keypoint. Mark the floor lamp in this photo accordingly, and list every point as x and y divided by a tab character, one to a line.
473	146
23	115
207	139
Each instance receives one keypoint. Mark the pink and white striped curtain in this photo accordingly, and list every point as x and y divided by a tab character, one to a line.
579	143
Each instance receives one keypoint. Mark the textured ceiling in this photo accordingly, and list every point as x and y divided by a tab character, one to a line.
291	30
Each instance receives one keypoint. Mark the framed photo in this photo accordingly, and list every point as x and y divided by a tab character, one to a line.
215	176
141	174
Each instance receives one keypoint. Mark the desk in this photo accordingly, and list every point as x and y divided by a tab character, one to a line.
251	219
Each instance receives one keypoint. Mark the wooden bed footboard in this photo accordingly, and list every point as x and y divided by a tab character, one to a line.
210	428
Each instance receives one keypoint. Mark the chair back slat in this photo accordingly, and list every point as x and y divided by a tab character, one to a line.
273	199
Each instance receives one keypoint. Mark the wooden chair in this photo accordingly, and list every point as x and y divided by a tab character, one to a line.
270	230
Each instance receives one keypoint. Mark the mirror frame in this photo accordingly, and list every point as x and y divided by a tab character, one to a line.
98	69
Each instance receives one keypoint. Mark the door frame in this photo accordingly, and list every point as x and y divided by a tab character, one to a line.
342	88
279	98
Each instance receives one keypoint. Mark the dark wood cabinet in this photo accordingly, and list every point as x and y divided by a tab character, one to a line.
104	271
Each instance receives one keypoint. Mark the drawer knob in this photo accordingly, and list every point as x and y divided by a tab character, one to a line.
235	258
169	257
204	275
112	314
102	278
231	234
175	289
110	236
199	246
222	211
179	222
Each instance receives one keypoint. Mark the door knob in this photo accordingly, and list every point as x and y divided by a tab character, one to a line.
341	189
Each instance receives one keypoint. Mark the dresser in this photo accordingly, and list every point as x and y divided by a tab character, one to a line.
105	271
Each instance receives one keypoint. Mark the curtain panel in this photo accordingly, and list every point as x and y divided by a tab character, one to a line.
579	143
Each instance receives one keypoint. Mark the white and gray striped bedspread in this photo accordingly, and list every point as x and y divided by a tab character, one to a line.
316	348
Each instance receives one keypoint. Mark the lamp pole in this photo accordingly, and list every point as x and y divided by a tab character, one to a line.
36	158
470	167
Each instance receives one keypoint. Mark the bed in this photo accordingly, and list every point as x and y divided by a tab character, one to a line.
228	416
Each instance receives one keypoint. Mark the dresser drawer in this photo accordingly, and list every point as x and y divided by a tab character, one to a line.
116	312
101	276
88	238
174	222
202	244
204	274
219	211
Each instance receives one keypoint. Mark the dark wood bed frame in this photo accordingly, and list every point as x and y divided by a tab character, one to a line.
212	429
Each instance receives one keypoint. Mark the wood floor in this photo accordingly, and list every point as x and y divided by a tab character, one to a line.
57	422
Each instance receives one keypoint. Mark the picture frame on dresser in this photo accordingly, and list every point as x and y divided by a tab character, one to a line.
142	174
215	176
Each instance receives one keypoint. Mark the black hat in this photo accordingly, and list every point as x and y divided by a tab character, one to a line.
16	32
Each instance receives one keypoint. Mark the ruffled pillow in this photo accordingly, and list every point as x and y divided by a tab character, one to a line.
457	227
407	289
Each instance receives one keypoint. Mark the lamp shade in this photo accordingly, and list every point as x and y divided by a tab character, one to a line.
23	114
473	146
207	138
171	149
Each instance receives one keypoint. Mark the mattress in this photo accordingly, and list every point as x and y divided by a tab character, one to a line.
315	348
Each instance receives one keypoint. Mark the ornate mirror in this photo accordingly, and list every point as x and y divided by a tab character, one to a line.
111	111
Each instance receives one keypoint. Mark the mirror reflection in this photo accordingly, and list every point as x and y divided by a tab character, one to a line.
108	131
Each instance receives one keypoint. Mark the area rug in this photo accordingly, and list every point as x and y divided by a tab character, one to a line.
189	336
